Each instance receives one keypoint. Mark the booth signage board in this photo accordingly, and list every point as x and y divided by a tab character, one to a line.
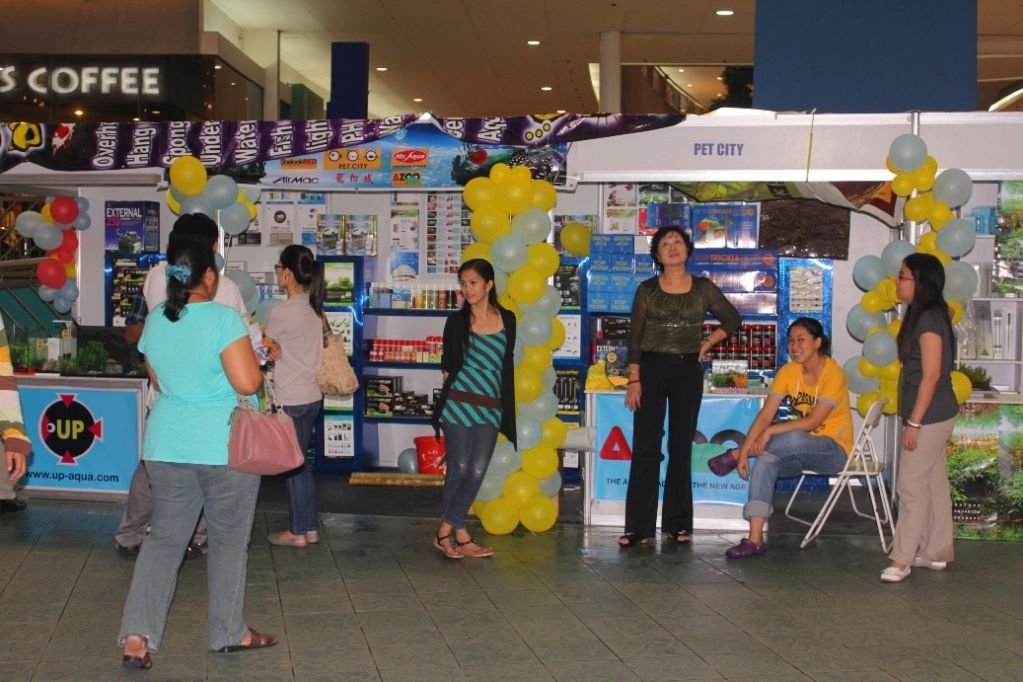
95	77
722	424
83	439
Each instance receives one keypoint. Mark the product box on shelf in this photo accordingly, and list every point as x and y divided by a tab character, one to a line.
132	226
611	243
719	225
729	376
380	386
380	406
566	280
673	214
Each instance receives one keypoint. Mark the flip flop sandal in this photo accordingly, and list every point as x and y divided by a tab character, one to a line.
682	537
257	641
451	550
633	539
473	548
143	662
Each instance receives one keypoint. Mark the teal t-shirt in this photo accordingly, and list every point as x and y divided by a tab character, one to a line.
189	419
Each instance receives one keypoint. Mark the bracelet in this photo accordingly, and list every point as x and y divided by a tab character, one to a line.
634	381
913	424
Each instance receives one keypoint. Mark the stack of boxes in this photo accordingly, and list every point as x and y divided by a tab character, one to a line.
615	272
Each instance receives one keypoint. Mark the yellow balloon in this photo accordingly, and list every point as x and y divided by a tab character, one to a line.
886	287
521	490
864	402
956	308
508	303
917	208
868	368
939	214
173	204
45	213
557	336
188	175
499	517
477	250
543	257
500	172
888	385
923	178
875	330
479	192
891	372
553	432
526	284
872	302
71	269
540	516
941	256
528	384
545	197
537	358
575	238
515	194
892	406
478	506
521	173
928	242
489	222
931	164
961	386
890	165
540	462
894	326
250	206
903	184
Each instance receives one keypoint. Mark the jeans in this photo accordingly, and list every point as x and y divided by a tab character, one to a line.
679	383
300	483
139	510
467	453
180	491
787	454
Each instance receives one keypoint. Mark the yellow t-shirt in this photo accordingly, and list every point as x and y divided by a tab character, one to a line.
830	388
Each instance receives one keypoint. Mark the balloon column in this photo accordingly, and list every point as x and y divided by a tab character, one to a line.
511	223
193	191
54	228
876	372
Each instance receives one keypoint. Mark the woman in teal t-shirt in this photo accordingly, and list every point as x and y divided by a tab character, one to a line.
198	356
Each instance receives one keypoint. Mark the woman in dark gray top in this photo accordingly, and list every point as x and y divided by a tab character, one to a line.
923	535
666	349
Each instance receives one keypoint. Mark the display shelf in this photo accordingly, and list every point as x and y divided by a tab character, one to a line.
396	420
402	365
406	312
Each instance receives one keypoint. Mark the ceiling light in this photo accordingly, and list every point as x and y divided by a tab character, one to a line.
546	88
417	99
218	66
135	118
724	13
155	112
233	83
681	70
532	43
689	85
381	68
560	111
78	112
720	78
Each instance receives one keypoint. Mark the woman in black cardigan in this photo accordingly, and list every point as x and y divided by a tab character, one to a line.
476	402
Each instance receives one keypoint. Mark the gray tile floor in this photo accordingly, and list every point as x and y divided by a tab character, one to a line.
376	602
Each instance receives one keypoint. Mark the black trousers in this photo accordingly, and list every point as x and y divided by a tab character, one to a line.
677	381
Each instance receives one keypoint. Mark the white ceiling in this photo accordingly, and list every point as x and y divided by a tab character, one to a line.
470	58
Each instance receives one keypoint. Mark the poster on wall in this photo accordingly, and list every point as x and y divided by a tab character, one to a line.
805	291
447	232
340	282
342	323
338	435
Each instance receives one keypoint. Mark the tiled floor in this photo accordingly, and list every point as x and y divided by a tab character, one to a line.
376	602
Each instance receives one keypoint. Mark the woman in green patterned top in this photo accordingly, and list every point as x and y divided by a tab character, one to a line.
666	349
476	402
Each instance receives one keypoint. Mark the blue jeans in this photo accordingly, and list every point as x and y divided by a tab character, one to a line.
300	483
786	456
180	491
467	455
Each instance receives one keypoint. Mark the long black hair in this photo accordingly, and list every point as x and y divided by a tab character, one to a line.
815	329
928	287
484	269
664	232
188	259
307	272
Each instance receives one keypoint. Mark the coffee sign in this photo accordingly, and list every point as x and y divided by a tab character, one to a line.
80	80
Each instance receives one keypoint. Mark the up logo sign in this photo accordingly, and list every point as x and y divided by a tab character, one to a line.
68	428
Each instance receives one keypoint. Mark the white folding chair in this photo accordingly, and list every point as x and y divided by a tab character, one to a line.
862	463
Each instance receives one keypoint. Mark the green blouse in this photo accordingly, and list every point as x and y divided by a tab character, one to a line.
673	323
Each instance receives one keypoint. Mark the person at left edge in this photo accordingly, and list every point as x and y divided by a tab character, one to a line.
12	429
666	350
476	401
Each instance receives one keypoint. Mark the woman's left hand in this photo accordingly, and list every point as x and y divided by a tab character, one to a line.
909	438
274	351
704	349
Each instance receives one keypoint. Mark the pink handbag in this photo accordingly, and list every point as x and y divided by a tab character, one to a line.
262	444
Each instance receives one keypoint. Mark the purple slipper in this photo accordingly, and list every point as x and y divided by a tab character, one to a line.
723	464
746	548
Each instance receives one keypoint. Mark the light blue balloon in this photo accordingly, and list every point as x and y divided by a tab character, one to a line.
549	302
83	204
28	222
61	305
858	383
908	152
894	253
47	293
957	238
505	460
519	351
492	485
218	261
880	349
221	191
551	485
235	219
69	290
408	461
953	187
47	236
528	430
960	281
262	309
500	281
509	252
858	321
196	204
533	225
549	377
534	328
246	285
82	223
252	192
543	408
868	271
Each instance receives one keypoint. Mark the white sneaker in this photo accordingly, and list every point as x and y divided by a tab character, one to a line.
895	575
920	562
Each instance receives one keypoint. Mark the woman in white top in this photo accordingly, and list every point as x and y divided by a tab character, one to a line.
296	330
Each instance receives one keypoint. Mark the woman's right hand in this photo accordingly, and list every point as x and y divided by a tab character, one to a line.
742	465
632	396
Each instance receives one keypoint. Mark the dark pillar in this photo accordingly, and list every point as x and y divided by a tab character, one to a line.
861	56
349	80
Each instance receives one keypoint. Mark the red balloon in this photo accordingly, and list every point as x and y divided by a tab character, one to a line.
51	273
70	242
65	255
64	210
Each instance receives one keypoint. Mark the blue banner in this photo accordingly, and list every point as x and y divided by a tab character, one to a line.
82	439
723	423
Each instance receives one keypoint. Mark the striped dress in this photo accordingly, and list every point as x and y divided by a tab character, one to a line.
480	375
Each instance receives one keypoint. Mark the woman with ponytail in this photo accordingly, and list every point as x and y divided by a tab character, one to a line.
296	330
199	357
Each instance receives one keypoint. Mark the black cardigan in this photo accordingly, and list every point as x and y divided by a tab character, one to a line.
454	338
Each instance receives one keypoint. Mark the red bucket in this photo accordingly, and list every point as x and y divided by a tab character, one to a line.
430	452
